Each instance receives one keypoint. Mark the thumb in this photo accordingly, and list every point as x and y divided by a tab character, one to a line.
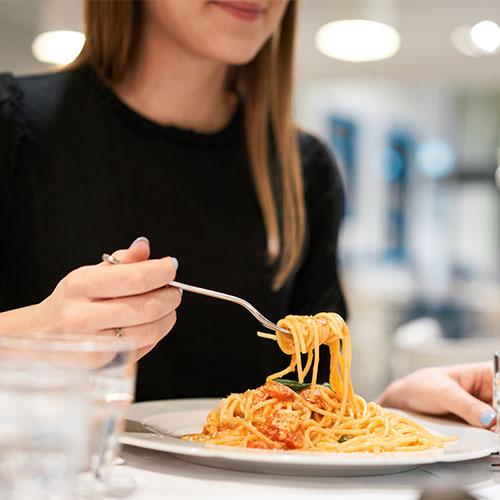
474	411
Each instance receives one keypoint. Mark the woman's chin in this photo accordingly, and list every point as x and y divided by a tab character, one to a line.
238	56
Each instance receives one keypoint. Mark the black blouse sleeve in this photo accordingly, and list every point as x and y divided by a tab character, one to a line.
317	287
11	131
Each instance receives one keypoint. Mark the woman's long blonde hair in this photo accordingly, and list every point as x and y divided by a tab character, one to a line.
112	35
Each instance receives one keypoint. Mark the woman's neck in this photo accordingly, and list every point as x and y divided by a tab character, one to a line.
172	86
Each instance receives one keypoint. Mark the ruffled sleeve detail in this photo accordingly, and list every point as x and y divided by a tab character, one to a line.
12	130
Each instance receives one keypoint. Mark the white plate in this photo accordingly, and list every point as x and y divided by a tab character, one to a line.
172	418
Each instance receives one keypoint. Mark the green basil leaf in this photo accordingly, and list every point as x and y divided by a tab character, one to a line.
295	385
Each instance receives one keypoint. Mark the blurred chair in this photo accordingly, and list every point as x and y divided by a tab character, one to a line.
421	343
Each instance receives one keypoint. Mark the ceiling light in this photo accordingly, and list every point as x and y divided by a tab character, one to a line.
58	47
462	41
357	40
486	36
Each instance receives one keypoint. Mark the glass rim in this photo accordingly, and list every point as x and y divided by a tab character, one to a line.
67	342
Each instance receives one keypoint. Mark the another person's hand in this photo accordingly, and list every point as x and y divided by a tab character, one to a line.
104	299
464	390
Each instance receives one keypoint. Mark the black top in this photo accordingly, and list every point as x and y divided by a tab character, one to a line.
82	174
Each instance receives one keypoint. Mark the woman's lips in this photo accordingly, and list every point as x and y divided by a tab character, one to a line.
246	11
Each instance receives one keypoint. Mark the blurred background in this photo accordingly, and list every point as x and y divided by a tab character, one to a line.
410	108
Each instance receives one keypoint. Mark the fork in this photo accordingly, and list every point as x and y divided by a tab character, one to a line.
218	295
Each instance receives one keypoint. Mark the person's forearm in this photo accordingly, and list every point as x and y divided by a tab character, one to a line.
19	321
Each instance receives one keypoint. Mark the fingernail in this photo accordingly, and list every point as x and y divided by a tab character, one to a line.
141	238
487	418
175	262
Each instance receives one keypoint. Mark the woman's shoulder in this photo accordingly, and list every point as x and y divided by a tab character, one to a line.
11	86
10	97
319	164
33	94
27	104
38	81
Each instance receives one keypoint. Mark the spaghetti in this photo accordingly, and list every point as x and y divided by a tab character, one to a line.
318	418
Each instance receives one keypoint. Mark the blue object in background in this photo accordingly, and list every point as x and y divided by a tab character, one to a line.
396	163
435	158
344	136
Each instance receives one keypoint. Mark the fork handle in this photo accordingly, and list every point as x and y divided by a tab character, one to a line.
218	295
231	298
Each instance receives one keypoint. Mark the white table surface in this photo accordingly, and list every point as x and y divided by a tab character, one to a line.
158	475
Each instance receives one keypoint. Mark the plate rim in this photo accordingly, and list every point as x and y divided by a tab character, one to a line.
138	412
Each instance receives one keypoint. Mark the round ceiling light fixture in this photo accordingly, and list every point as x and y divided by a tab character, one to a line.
58	47
486	36
462	41
357	40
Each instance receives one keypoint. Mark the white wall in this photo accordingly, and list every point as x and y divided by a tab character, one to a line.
377	106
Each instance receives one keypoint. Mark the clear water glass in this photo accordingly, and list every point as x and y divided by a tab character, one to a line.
110	365
496	388
44	412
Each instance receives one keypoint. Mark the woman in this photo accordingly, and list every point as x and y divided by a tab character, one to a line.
161	127
174	123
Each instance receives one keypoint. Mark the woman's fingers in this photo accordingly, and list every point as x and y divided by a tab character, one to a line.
143	351
460	390
107	281
146	335
458	401
133	296
133	310
139	250
476	378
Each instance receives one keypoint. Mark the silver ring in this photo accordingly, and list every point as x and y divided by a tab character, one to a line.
119	332
109	258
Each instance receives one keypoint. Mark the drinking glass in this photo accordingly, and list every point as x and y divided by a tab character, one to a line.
110	365
496	388
44	412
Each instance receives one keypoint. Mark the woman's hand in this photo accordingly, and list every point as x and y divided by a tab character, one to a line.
100	299
464	390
